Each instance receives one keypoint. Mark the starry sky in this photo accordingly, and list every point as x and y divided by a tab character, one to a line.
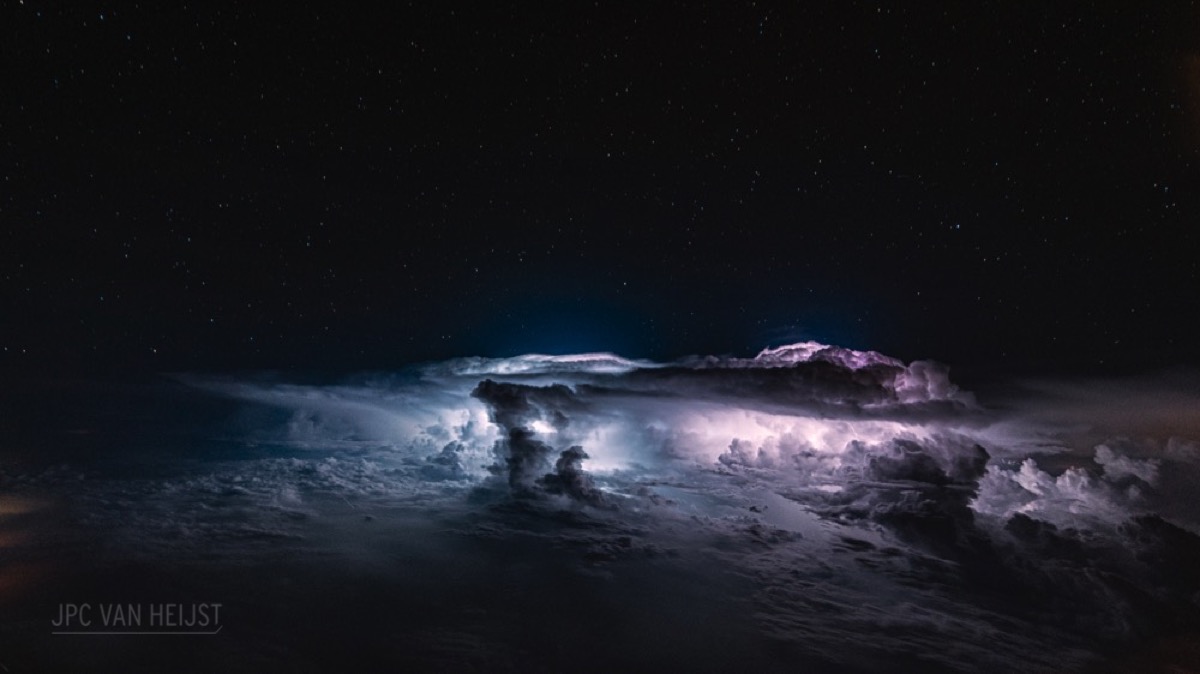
202	187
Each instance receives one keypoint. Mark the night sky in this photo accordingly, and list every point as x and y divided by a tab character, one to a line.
273	280
992	185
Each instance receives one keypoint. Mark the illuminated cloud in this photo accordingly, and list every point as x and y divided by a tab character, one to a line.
828	467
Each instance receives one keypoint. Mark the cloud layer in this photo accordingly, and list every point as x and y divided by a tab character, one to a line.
877	515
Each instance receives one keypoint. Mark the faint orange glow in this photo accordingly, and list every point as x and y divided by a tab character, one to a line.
11	538
1169	654
19	505
16	578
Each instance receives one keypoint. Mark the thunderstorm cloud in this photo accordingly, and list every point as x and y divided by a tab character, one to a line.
822	506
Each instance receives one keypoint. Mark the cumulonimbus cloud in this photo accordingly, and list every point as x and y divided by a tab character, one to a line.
801	414
778	465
